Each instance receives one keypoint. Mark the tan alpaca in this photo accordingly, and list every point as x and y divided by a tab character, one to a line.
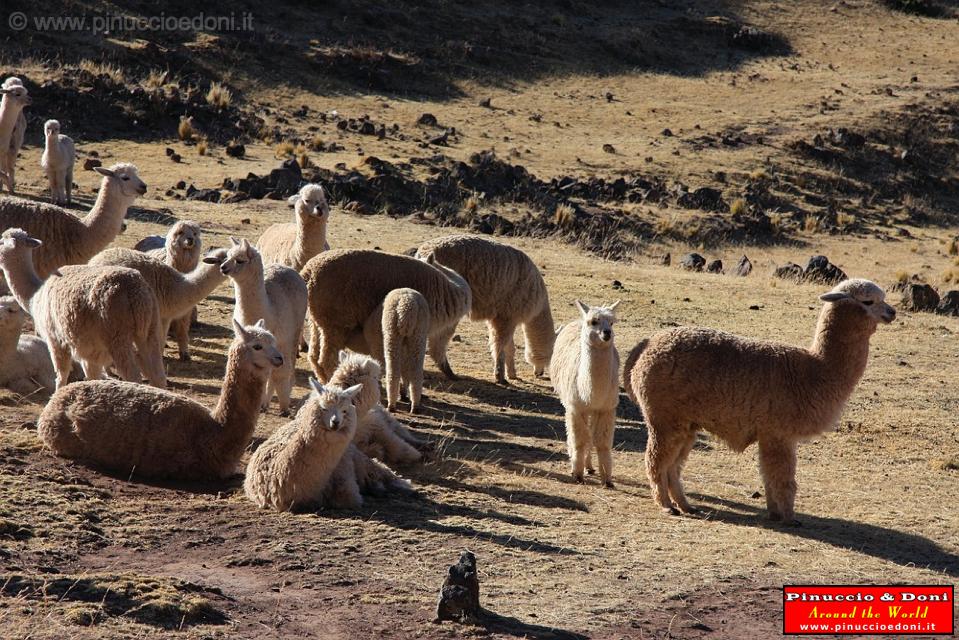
585	373
13	98
749	391
397	333
293	467
25	364
95	315
136	430
508	291
345	287
292	244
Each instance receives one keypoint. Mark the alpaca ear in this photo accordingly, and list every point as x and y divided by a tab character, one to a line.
317	386
833	296
241	332
234	241
613	306
292	199
431	259
103	171
344	354
353	391
214	257
260	324
583	309
33	243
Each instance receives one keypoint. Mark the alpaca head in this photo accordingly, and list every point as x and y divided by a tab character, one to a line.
331	408
17	245
255	347
122	179
361	370
310	203
11	315
183	237
51	128
241	259
859	301
597	324
14	93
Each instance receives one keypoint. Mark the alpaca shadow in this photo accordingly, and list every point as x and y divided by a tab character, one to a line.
899	547
506	625
207	330
511	496
482	419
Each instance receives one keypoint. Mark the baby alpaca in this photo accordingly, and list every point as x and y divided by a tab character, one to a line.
25	364
57	160
397	332
585	371
750	391
292	468
133	429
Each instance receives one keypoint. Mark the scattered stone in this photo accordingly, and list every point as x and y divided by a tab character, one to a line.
617	285
754	307
692	262
239	196
743	268
668	133
486	102
789	271
175	157
609	96
235	150
91	163
716	266
428	120
819	269
920	297
169	151
204	195
441	140
245	221
608	148
705	198
459	595
180	185
949	305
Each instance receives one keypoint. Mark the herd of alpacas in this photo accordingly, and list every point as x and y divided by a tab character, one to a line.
102	315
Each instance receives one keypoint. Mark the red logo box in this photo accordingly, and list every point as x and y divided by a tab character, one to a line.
900	610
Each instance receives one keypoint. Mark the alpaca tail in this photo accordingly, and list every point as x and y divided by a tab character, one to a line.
631	359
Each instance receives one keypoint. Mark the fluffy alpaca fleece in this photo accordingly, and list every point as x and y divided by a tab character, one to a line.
293	467
57	161
292	244
131	429
278	295
378	434
181	249
397	332
25	364
745	391
358	474
585	371
508	291
66	238
13	124
96	315
345	287
177	293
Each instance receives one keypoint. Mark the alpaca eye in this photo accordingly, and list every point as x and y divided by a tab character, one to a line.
257	347
867	302
126	177
241	261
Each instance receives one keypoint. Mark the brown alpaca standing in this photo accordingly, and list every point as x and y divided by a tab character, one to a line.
747	391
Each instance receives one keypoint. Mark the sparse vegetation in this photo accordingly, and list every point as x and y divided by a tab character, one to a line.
738	207
219	96
185	129
284	149
201	147
111	72
811	224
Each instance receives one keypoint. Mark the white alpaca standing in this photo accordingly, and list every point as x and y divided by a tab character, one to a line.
13	98
585	374
57	160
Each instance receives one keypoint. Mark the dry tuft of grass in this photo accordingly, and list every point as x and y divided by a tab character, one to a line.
219	96
811	224
953	247
845	220
185	129
758	174
155	80
316	143
303	159
201	147
284	149
738	207
564	216
104	70
472	203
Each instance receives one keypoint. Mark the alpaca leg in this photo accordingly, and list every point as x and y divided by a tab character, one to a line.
395	449
394	366
675	484
604	425
149	355
660	452
283	384
11	172
268	393
68	186
511	357
324	351
437	347
777	464
62	363
500	335
181	333
413	374
342	490
577	442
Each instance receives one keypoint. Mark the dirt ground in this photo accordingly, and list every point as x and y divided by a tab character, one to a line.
92	556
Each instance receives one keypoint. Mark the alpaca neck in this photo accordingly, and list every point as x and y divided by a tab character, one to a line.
842	344
105	219
23	279
9	340
310	234
540	335
252	303
199	283
9	113
596	364
238	408
51	147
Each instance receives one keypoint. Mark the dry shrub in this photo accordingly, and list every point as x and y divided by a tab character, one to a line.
219	96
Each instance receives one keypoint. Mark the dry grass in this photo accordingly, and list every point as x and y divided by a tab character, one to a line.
811	224
738	207
845	220
952	248
219	96
284	149
111	72
155	80
185	130
201	147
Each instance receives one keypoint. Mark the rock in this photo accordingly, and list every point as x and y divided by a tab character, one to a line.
91	163
486	102
743	268
692	262
238	196
608	148
235	150
428	120
169	151
204	195
666	259
459	595
368	128
668	133
175	157
843	137
180	185
491	224
949	305
617	285
705	198
920	297
716	266
245	221
789	271
819	269
285	179
441	139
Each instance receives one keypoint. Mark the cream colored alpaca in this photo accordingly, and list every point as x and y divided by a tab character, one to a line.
397	332
96	315
748	391
138	431
508	291
292	468
585	374
25	364
57	161
13	98
292	244
278	295
378	434
177	293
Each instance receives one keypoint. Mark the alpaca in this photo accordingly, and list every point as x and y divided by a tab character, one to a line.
749	391
584	370
397	332
292	244
132	429
92	314
13	98
57	160
25	364
508	291
278	295
293	467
